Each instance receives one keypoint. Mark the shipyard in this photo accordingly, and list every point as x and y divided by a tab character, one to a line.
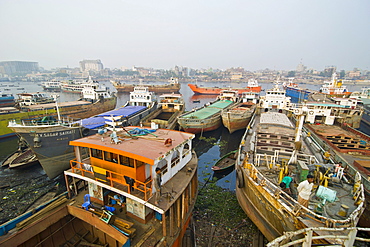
184	124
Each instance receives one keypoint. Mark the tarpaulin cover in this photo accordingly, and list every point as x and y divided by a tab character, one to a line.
99	120
208	111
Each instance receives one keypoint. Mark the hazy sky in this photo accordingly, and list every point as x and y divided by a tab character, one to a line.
254	34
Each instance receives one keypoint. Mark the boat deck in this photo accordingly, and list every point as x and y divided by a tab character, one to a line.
208	111
268	148
145	233
52	105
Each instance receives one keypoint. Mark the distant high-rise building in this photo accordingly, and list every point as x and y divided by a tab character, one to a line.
18	67
329	70
91	65
301	67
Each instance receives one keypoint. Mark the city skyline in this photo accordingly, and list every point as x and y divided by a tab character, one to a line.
210	34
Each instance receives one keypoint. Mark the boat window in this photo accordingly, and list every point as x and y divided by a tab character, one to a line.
96	153
162	164
108	156
175	158
112	157
185	150
126	161
139	163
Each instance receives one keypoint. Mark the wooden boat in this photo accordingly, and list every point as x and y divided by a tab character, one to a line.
238	117
121	180
226	162
62	222
273	147
172	87
50	139
170	106
208	117
305	237
252	87
32	110
20	158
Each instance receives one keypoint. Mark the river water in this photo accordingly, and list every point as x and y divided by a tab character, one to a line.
209	148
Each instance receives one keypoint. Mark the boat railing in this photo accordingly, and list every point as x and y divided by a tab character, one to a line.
307	236
336	158
112	178
295	208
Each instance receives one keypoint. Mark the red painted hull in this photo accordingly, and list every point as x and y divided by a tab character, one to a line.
217	91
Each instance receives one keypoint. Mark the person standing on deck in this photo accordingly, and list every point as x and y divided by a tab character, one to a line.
157	180
304	190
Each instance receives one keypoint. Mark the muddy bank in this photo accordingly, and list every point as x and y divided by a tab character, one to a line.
21	188
219	220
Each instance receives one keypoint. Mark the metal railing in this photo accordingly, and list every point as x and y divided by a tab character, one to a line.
296	209
112	177
306	237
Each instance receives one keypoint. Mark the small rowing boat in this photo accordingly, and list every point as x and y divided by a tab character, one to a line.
227	161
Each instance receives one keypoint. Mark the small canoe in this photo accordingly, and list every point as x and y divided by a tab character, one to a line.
226	161
20	159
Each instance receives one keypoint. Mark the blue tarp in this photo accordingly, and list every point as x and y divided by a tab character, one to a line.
124	111
99	120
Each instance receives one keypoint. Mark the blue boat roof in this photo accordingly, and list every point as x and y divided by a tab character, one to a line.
99	120
126	111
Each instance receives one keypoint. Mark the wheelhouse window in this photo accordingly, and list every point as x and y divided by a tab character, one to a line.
126	161
96	153
111	157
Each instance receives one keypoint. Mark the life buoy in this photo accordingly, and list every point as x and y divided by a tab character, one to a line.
311	112
239	179
85	132
296	111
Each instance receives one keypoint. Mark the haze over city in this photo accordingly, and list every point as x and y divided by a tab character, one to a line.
200	34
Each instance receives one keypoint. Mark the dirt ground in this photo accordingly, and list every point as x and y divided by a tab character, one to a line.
18	193
219	220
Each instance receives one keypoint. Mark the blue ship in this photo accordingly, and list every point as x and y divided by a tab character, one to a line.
297	93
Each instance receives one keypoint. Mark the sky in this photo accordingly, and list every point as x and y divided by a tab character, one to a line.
253	34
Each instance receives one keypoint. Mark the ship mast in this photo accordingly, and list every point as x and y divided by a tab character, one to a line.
298	133
56	96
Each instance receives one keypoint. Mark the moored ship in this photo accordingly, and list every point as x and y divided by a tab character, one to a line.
238	117
114	196
364	100
51	85
170	106
49	139
252	86
351	148
76	86
208	117
172	87
273	147
348	237
6	99
33	107
294	91
334	87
